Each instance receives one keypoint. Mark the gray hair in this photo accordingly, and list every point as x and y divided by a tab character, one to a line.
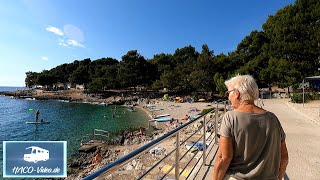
246	86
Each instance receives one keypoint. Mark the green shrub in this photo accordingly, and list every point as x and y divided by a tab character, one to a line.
298	97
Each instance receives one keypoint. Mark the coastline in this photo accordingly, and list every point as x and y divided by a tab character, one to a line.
124	144
111	153
69	95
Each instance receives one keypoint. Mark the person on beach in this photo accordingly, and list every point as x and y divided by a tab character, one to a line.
96	159
37	115
186	117
141	131
171	124
252	141
171	121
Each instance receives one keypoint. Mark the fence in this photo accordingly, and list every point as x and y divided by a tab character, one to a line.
198	136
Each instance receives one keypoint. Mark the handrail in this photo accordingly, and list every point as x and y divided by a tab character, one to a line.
100	133
97	131
85	139
136	153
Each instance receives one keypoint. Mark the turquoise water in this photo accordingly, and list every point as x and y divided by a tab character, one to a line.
68	121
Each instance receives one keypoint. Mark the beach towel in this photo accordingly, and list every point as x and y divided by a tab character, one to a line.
166	168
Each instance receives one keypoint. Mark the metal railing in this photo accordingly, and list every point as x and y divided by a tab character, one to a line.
203	131
86	139
101	134
98	135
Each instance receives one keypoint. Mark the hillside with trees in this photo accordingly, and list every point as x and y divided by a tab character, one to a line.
286	50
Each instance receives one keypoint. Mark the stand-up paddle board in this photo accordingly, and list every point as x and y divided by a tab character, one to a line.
46	122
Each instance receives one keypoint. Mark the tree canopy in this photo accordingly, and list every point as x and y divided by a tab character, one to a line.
282	53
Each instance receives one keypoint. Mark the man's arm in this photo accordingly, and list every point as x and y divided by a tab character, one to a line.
223	159
284	160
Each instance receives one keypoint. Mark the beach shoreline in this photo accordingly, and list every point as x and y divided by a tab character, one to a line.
176	111
145	111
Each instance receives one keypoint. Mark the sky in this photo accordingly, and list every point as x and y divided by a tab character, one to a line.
37	35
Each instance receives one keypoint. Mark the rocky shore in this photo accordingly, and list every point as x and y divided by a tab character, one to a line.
111	151
71	96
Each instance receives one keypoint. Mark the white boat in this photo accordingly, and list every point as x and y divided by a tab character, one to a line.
162	115
131	110
159	109
160	120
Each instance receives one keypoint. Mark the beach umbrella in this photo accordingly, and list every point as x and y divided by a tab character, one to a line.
178	97
201	99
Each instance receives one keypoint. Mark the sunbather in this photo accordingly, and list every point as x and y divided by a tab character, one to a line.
95	160
186	117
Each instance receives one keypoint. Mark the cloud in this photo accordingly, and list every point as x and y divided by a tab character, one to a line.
62	43
71	36
69	43
55	30
45	58
73	32
75	43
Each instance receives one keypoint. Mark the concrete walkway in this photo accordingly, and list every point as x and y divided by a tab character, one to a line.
303	141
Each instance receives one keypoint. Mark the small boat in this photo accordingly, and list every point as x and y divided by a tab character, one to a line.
160	120
29	98
162	115
33	122
159	109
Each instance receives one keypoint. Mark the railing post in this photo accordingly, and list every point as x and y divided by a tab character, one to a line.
216	124
177	156
225	106
204	148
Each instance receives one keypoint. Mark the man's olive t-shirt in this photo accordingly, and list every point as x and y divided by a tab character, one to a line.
256	139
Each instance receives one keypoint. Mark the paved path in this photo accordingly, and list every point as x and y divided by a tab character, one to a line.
303	141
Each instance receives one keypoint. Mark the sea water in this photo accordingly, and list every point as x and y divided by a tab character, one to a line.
69	121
